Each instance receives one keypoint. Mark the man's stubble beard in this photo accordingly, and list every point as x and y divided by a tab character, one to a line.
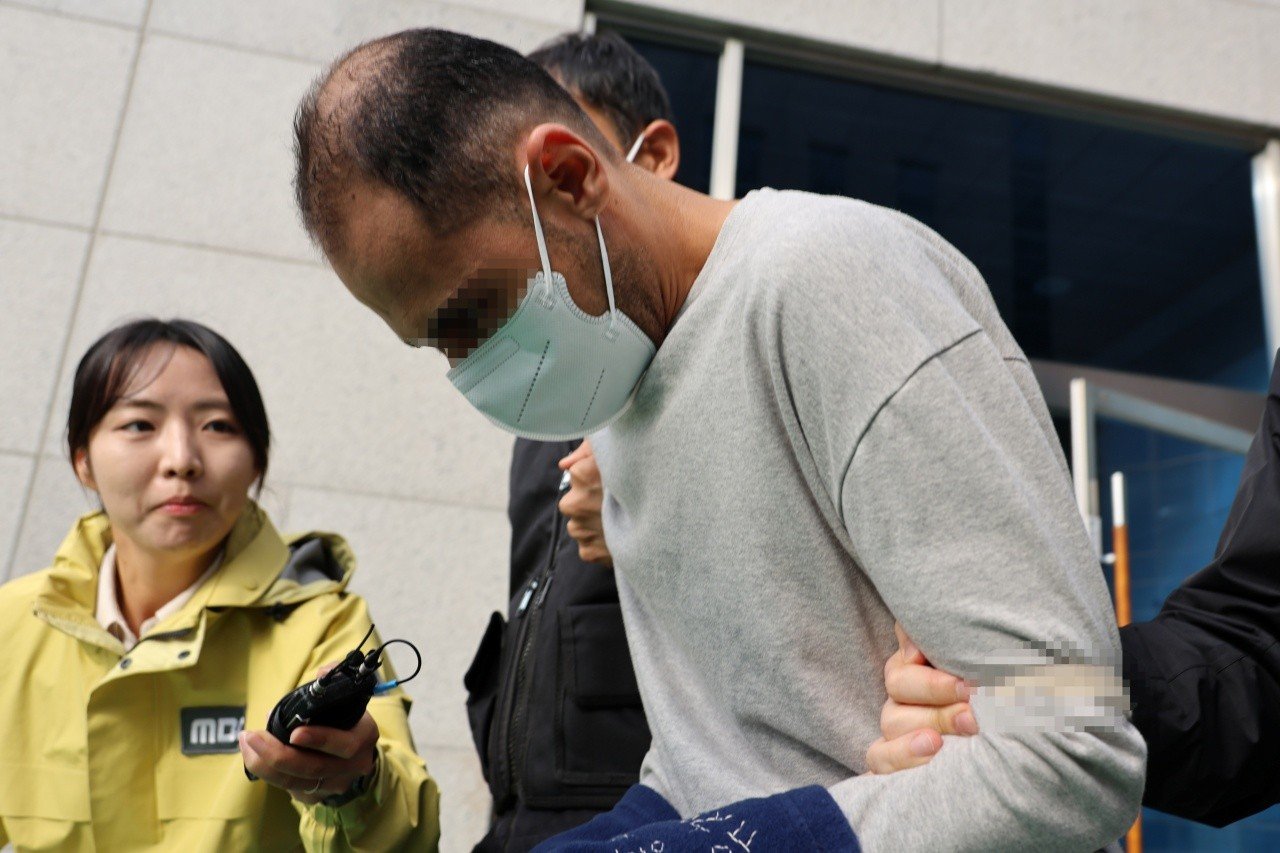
636	290
635	276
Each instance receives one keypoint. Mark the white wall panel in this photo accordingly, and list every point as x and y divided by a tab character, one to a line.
206	152
57	500
464	797
62	82
1203	56
39	271
124	12
323	29
15	470
904	28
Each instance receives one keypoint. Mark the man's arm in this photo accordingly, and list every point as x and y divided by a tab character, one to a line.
955	487
1204	676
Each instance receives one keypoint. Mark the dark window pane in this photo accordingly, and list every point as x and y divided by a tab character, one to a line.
690	77
1102	246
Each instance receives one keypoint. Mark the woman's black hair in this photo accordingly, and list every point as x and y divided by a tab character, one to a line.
110	366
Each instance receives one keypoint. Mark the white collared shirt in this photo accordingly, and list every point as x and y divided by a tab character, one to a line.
108	611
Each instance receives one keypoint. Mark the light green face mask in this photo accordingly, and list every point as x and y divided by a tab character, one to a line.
552	371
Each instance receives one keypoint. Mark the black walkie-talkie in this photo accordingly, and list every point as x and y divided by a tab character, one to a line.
338	698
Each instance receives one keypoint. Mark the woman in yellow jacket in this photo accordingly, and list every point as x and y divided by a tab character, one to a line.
171	618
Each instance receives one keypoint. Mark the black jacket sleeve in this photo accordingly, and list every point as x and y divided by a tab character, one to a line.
1205	673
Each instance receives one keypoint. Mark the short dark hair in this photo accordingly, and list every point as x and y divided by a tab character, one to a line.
607	72
112	363
431	115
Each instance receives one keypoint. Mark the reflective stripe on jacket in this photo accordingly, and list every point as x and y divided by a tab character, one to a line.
111	751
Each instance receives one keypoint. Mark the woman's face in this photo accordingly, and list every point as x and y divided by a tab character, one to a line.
168	460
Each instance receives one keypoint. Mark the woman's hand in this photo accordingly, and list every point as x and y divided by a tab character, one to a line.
924	703
317	762
583	503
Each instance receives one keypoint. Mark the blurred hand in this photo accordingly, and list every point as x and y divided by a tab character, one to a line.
317	762
924	703
583	503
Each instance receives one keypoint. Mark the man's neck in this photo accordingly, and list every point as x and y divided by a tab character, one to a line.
147	581
686	223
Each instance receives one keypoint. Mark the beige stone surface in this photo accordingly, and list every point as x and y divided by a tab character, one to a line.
464	798
62	83
39	272
322	29
901	28
57	499
123	12
15	470
1205	56
206	150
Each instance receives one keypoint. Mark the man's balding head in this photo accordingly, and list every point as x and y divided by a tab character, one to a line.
434	116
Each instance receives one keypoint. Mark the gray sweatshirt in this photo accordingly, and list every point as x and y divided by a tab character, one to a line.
837	432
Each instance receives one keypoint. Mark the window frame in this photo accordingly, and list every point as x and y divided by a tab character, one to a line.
737	44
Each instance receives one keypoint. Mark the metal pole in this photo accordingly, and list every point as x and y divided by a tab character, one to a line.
1084	460
724	136
1124	603
1266	216
1120	545
1170	421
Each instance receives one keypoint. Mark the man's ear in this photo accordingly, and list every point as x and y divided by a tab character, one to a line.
660	151
566	171
84	473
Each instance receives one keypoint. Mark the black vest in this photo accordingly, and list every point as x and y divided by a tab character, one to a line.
553	702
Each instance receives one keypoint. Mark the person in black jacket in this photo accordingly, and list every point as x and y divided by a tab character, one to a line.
1204	675
553	703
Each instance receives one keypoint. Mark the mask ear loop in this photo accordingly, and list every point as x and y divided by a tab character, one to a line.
546	261
537	230
635	148
608	280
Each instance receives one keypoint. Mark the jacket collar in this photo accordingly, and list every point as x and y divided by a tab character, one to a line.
258	570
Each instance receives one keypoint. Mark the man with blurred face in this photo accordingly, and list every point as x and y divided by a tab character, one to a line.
814	417
525	721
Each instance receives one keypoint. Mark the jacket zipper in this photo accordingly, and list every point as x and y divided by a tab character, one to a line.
520	712
517	698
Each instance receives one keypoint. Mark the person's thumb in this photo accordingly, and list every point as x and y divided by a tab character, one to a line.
579	453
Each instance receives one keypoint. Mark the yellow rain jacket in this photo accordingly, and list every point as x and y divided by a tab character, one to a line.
102	750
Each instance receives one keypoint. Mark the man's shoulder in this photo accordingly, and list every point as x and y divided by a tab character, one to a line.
844	247
858	267
802	220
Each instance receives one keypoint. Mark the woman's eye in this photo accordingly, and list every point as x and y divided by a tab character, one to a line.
137	426
222	426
